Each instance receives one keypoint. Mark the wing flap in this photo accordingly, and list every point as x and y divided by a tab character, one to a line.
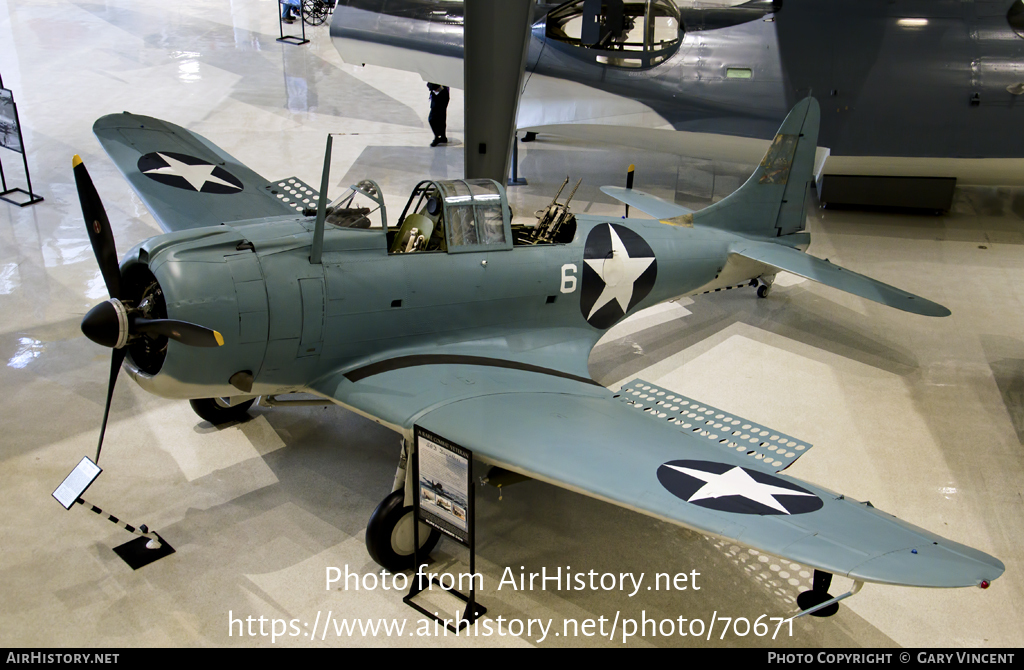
805	265
184	179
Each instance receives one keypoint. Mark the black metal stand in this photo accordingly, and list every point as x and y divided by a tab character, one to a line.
290	39
32	197
515	179
473	610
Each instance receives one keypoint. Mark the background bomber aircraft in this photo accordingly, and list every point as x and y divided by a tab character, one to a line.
456	320
908	88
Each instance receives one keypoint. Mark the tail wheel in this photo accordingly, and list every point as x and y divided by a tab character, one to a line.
218	410
389	534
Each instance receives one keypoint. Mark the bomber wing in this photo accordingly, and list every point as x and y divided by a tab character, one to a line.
186	181
656	452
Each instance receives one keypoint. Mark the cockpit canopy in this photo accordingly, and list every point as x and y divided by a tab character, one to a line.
454	215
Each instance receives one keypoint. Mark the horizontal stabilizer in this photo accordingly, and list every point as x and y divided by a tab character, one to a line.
769	448
645	202
805	265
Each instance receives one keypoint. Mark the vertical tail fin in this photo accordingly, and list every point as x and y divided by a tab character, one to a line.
771	202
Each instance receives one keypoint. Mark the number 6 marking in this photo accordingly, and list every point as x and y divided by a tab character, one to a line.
568	278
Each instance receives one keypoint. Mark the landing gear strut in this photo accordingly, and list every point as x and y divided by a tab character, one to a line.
390	534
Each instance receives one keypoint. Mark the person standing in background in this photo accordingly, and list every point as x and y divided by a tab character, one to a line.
438	118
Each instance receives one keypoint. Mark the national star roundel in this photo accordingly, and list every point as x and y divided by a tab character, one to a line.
188	173
730	488
619	270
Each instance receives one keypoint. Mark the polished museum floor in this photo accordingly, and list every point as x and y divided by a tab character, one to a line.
923	417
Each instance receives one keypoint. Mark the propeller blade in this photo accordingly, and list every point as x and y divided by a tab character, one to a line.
116	359
96	222
180	331
629	183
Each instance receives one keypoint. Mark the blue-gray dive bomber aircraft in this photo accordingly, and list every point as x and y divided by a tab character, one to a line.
455	320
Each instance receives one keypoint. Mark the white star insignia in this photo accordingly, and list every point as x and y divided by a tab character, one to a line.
736	482
196	175
618	273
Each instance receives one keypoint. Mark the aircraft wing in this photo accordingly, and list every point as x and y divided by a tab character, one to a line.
805	265
656	452
188	182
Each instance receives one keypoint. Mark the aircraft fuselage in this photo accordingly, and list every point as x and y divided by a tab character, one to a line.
286	320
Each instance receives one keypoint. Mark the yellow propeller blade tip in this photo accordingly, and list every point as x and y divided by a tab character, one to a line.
220	338
631	168
76	161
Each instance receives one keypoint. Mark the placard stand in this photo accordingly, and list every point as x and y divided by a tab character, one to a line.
143	550
10	138
290	39
450	509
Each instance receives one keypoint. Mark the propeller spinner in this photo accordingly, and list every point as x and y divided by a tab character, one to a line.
113	323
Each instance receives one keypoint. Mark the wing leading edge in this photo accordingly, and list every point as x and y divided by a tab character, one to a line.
577	435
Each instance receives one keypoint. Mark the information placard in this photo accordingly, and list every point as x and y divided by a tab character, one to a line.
10	133
75	484
443	488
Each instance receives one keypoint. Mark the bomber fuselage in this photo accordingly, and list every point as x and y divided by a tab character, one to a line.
287	321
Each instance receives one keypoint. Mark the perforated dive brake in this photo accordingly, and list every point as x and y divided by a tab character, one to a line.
773	449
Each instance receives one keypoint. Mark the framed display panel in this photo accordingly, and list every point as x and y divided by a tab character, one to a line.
10	138
10	131
443	499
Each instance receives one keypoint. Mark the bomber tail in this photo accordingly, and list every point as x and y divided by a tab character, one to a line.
771	202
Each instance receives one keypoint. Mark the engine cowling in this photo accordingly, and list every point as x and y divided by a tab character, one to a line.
206	276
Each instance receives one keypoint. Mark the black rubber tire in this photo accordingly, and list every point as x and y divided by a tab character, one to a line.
214	412
380	535
764	290
809	599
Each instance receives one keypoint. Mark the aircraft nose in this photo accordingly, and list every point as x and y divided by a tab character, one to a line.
935	564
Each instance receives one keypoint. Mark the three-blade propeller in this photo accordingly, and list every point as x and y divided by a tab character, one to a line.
112	323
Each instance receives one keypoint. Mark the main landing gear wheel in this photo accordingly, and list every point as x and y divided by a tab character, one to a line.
389	534
764	290
218	411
